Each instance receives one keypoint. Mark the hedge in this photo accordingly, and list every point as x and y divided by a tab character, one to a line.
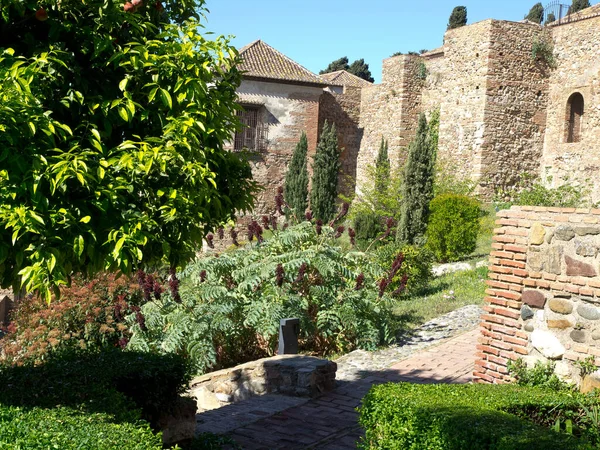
435	417
102	400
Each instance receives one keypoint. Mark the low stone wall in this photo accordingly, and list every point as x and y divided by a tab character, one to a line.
544	291
297	375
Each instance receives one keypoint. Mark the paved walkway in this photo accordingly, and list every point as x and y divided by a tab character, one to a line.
330	421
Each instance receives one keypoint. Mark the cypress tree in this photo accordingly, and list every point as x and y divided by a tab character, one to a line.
551	18
417	190
578	5
458	18
536	13
326	165
296	179
382	167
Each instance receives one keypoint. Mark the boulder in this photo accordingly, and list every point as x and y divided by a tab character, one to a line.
547	344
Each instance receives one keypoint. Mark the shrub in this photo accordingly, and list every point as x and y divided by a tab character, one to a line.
540	375
412	416
453	226
89	315
231	304
367	226
89	401
417	264
532	192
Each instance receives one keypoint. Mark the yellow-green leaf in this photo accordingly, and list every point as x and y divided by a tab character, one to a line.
85	219
166	98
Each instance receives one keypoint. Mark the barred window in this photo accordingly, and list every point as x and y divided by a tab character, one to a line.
574	117
254	134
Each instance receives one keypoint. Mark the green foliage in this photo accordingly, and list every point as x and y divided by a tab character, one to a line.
542	49
422	71
367	226
453	227
382	167
458	18
586	366
296	179
358	68
326	165
536	13
231	305
578	5
88	315
551	18
532	192
540	375
91	401
361	70
443	416
417	265
112	125
417	189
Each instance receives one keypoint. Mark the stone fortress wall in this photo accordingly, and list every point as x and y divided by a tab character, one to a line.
502	113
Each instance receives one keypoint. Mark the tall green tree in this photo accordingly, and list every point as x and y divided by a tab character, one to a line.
361	70
338	64
536	13
113	117
551	18
358	68
417	189
578	5
458	18
382	167
326	167
296	179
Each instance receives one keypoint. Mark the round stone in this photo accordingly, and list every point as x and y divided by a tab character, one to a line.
558	305
578	336
588	312
596	334
529	327
564	233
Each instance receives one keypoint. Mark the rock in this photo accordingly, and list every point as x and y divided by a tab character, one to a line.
559	324
535	299
588	312
584	231
590	382
596	334
562	370
526	312
547	344
536	236
564	233
579	268
179	424
578	336
227	398
549	237
553	260
585	248
535	261
558	305
529	327
205	399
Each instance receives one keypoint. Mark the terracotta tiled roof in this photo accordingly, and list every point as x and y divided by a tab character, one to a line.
344	78
263	61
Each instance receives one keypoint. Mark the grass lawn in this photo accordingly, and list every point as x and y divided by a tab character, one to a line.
443	295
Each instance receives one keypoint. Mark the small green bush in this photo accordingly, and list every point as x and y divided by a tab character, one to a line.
533	192
453	226
417	264
540	375
367	226
448	417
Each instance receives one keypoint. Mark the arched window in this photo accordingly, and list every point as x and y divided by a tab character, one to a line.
574	117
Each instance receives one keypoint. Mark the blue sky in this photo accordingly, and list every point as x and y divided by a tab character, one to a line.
315	32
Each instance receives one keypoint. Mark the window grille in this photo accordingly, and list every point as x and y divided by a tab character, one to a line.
574	117
254	134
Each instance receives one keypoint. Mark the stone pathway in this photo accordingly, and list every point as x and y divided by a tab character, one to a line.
438	352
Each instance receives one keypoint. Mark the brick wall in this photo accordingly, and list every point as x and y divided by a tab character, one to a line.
543	291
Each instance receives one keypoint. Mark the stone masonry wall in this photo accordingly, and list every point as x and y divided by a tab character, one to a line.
516	95
343	109
577	54
389	110
543	293
288	110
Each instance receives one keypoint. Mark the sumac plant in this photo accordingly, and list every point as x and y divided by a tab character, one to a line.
231	304
113	116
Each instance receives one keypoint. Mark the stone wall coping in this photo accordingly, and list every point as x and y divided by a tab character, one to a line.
547	209
298	362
